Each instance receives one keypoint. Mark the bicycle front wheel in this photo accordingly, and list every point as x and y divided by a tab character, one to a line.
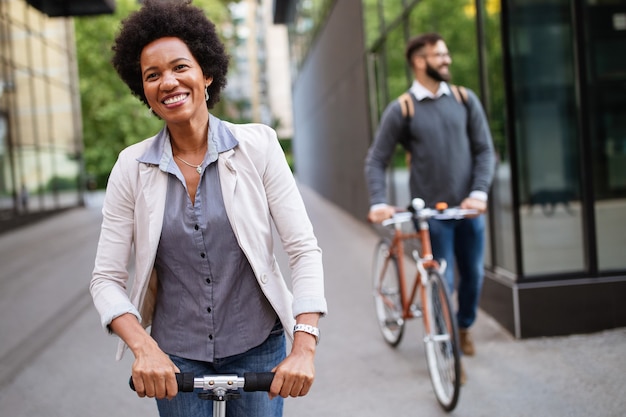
387	296
441	342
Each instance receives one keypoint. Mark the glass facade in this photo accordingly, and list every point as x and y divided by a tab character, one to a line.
547	136
604	37
40	128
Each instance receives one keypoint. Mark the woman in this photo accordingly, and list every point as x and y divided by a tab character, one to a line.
196	204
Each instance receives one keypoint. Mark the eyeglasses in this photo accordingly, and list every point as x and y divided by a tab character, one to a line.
440	55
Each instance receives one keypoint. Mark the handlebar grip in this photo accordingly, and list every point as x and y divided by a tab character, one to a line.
184	380
257	381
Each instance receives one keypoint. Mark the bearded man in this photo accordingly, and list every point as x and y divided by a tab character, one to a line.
451	160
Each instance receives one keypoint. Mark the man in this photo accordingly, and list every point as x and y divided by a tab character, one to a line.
451	160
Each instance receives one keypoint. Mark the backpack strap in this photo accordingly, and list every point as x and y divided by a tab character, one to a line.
406	104
408	109
460	94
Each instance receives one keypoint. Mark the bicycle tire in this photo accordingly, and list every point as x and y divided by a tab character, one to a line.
386	291
441	342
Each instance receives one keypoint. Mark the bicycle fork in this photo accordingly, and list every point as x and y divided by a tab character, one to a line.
424	263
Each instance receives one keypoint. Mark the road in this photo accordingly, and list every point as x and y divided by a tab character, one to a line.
55	360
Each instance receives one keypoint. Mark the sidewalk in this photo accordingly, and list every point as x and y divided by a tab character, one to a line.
55	360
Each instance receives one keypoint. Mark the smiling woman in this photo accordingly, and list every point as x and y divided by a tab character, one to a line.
198	202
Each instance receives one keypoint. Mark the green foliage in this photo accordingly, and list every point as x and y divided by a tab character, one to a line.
57	183
287	149
112	117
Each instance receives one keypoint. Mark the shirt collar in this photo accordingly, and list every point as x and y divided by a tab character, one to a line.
220	139
420	92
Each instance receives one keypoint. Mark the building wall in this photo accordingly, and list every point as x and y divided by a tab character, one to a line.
331	124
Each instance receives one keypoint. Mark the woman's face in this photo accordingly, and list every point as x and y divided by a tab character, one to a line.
173	82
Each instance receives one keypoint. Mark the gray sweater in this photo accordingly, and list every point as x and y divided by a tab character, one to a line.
451	156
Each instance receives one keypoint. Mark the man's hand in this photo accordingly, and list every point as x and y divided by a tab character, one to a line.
475	204
380	213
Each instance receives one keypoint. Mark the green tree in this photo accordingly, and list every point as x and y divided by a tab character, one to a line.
112	117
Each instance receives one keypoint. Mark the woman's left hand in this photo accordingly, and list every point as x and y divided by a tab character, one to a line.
294	376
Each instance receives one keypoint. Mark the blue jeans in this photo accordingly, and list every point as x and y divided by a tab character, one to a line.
251	404
464	241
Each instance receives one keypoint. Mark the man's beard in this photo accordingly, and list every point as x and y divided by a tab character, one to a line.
436	75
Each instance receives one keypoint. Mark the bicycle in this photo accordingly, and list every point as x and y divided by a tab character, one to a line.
220	385
395	304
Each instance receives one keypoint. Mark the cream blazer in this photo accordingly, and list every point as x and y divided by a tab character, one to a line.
258	190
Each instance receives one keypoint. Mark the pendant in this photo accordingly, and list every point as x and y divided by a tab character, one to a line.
199	170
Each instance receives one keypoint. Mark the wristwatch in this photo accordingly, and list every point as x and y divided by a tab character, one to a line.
307	328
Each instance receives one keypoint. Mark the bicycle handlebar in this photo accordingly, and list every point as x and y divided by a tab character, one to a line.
418	211
251	381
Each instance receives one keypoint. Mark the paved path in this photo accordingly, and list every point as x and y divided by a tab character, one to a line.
56	361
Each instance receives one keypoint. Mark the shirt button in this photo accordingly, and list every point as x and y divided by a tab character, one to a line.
202	255
208	280
208	309
196	227
210	337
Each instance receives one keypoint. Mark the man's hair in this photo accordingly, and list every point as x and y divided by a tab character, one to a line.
418	42
175	18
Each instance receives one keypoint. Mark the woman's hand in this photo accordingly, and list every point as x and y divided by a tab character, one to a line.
294	376
153	373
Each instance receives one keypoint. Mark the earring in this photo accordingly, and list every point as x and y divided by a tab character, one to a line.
206	93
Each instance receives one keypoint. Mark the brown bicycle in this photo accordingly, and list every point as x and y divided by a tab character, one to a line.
395	301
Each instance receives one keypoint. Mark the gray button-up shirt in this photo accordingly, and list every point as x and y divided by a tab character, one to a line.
209	304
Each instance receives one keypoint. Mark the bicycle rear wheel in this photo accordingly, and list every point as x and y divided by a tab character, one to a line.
386	291
441	342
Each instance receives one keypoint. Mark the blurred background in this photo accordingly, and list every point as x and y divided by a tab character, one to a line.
551	75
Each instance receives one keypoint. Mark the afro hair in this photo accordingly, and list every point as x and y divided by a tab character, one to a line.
157	19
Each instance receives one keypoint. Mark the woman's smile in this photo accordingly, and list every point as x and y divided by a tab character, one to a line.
175	99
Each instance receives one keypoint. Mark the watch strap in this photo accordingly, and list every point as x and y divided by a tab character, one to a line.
307	328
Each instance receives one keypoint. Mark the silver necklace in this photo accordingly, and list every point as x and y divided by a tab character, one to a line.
197	167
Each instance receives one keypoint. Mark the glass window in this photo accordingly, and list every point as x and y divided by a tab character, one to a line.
38	143
606	34
546	135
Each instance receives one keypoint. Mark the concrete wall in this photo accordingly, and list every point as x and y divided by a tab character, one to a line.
331	121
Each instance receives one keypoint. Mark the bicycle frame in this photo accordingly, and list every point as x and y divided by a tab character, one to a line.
424	262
